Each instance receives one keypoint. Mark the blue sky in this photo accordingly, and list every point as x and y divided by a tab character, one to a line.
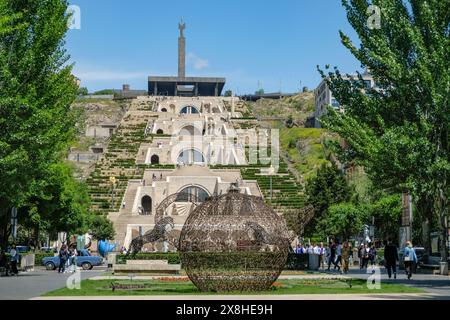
276	44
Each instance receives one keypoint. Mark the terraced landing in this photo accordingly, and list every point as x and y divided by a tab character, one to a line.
119	162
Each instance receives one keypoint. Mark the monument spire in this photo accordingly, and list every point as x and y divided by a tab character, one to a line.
182	50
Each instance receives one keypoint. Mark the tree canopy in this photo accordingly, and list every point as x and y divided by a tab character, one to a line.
399	130
36	91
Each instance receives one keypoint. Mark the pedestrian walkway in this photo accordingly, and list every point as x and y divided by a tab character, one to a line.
402	296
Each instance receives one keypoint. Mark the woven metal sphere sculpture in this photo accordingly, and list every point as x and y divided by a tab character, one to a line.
234	242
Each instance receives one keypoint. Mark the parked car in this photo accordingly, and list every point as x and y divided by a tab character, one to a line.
84	260
49	249
21	249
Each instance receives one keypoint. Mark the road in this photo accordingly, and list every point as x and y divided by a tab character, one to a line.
32	284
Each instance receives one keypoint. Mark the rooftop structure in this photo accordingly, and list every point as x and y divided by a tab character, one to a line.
181	85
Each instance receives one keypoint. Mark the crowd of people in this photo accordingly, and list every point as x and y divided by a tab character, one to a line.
340	256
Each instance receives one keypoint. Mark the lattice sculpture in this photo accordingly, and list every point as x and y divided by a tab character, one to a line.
234	242
163	224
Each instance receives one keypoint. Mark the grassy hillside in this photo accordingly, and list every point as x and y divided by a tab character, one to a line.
304	148
299	107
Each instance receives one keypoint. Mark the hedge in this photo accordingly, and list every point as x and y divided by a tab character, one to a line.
294	261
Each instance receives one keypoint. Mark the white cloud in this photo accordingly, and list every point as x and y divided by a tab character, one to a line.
197	62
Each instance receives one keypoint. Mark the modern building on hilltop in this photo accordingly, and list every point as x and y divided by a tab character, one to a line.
324	97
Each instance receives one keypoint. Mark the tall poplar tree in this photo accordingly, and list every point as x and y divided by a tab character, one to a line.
36	91
400	131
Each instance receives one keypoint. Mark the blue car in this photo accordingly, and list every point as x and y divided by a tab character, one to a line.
84	260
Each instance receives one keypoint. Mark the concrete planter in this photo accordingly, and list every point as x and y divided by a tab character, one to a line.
444	268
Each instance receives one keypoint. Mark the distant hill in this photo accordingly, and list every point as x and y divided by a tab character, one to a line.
300	107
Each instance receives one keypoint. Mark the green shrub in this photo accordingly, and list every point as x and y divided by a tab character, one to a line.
171	257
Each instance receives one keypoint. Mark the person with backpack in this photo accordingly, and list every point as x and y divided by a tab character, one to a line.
63	254
410	258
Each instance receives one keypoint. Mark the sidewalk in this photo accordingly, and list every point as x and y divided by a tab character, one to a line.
397	296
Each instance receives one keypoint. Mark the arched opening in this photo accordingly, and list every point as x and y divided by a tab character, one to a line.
146	204
190	130
160	131
216	110
190	156
154	159
197	192
163	110
189	110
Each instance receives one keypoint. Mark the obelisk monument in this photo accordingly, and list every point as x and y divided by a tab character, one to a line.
182	51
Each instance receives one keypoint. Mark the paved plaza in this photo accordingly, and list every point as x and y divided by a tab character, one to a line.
33	285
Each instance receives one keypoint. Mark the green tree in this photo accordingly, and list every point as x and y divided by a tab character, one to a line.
102	228
228	93
328	187
37	89
400	131
259	92
387	212
59	203
345	220
83	91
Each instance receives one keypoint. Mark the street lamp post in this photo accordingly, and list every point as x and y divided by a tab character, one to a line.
14	223
113	184
270	172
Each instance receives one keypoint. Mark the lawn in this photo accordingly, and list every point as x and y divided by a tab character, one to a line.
182	286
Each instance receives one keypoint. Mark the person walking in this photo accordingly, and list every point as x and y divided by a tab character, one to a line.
338	256
361	251
365	256
391	258
14	259
332	256
62	259
345	254
372	254
410	258
322	253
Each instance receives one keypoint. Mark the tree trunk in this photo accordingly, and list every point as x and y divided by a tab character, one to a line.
442	211
425	209
4	233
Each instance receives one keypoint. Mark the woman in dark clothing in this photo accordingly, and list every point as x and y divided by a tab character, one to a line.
63	254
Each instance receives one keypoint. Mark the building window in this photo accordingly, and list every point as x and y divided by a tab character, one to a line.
189	110
199	194
154	159
146	204
191	156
